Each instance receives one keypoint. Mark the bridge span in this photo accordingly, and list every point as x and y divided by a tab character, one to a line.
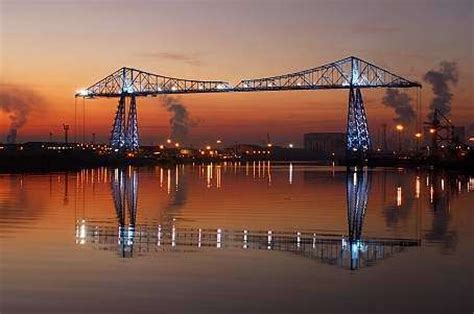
350	73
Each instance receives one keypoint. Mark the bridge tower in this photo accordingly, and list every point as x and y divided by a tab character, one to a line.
131	136
124	134
357	136
117	138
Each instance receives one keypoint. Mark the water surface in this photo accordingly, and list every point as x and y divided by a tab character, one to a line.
237	237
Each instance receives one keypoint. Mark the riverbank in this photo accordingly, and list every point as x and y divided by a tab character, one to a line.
19	163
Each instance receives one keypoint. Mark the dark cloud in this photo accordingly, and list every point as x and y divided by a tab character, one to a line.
402	104
373	29
179	121
17	102
441	81
191	58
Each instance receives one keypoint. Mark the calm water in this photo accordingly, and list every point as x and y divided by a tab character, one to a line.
237	238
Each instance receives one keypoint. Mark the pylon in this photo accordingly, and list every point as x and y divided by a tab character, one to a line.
131	139
117	138
357	137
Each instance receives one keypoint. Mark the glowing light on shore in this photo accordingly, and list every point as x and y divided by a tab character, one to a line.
399	196
417	187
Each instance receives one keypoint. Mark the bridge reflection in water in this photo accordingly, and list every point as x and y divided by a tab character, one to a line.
351	250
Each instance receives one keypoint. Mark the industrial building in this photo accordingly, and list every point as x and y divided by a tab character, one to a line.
326	145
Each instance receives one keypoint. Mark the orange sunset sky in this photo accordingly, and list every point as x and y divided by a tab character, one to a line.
53	48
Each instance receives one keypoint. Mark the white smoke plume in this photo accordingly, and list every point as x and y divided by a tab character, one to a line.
179	121
402	104
17	102
441	81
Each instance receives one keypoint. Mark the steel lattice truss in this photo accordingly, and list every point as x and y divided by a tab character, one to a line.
346	73
131	135
349	73
357	136
124	136
117	137
128	81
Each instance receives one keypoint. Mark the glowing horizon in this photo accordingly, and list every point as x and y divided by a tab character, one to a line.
43	51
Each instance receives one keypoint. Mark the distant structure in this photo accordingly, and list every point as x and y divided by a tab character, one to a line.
325	144
66	130
11	136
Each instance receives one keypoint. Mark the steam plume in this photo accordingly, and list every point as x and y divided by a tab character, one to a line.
17	102
179	120
402	104
440	83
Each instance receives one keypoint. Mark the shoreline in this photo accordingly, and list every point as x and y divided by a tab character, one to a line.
45	164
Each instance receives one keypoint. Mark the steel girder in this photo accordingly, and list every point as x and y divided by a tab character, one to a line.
128	81
124	135
357	136
346	73
343	74
117	137
131	136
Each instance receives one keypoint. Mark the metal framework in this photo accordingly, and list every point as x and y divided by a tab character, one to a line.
357	134
129	81
117	137
343	74
131	135
349	73
124	135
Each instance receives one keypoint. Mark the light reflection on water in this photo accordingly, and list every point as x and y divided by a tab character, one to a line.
348	219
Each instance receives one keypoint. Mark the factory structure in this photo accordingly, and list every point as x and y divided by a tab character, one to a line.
325	145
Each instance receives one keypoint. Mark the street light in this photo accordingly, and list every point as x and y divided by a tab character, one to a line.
399	128
290	145
418	138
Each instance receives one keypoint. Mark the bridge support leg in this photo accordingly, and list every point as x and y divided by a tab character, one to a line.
124	135
357	137
117	138
131	139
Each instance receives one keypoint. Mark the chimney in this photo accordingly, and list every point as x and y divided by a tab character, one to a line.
11	137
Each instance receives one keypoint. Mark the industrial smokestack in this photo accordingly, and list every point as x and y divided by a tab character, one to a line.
11	137
17	102
402	104
440	80
179	121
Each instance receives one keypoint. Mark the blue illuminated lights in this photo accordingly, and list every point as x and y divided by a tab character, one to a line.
357	137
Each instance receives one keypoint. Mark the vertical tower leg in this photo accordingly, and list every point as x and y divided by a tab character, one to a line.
351	132
131	140
358	185
363	126
117	138
357	137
